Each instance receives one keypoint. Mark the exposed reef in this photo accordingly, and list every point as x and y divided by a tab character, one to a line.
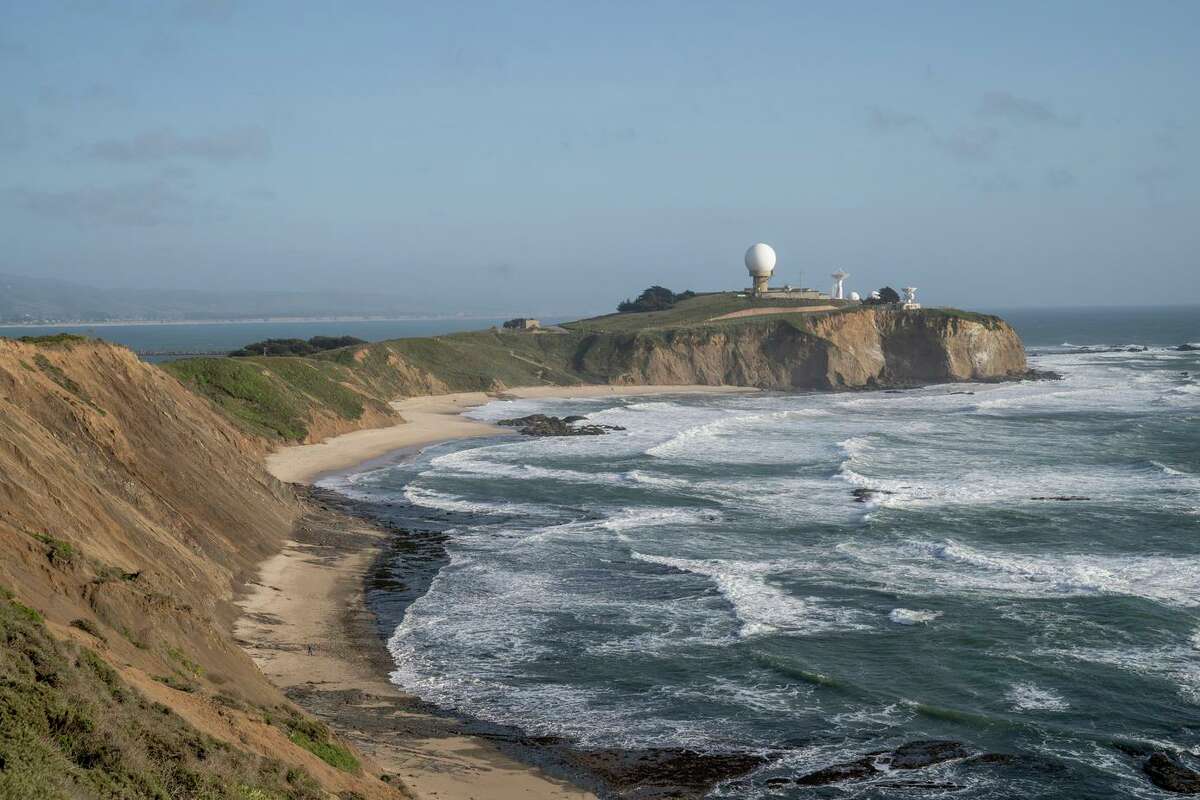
544	425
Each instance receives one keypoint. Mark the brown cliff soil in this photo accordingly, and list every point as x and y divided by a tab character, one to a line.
129	511
852	349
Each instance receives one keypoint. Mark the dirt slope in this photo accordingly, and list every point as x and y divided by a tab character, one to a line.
129	509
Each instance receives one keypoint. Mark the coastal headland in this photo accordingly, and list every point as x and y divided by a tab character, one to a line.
148	550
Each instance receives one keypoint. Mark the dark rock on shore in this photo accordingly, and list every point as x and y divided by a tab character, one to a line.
1040	375
665	772
545	425
909	756
1168	774
1030	374
1061	497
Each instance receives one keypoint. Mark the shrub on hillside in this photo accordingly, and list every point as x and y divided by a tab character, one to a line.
656	298
296	347
887	295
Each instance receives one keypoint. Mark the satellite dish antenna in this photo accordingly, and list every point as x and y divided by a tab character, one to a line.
839	278
855	296
760	263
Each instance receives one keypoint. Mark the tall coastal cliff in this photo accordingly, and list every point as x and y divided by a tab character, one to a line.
868	348
859	347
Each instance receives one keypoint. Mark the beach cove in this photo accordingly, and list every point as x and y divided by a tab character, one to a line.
306	624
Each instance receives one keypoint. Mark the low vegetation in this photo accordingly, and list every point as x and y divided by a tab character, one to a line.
656	298
54	339
314	737
246	392
696	310
296	347
70	727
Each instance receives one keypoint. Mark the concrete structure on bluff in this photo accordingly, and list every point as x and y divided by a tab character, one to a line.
760	263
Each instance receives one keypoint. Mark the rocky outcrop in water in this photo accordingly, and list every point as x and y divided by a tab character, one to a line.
1168	774
545	425
909	756
862	348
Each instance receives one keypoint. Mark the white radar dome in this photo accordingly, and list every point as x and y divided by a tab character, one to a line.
760	259
855	296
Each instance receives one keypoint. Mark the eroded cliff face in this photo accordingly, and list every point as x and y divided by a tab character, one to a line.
130	509
864	348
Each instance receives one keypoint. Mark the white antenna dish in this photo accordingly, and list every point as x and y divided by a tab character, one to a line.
839	278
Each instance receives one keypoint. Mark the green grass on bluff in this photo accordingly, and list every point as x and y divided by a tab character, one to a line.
70	728
694	311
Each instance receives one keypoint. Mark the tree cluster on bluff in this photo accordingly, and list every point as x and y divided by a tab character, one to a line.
295	347
656	298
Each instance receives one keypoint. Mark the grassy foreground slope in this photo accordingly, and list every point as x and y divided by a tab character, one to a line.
70	726
306	399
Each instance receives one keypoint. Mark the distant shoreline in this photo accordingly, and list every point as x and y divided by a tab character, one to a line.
132	322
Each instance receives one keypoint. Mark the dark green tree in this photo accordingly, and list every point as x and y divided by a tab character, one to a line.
656	298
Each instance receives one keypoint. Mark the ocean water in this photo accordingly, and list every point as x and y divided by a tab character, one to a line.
708	577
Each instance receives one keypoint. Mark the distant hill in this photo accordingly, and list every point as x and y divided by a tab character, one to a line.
26	299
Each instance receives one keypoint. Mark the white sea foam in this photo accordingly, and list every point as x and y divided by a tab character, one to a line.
1030	697
1171	470
431	498
953	567
910	616
760	606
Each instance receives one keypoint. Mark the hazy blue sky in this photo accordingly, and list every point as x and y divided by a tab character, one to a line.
562	155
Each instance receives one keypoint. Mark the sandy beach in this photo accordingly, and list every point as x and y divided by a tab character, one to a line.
436	418
307	626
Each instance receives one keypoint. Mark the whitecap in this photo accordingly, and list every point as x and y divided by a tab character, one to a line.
1030	697
760	606
911	616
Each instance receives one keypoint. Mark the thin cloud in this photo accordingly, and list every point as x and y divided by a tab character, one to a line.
96	96
1008	106
143	204
1061	178
969	144
236	145
995	184
208	11
1153	177
882	120
14	130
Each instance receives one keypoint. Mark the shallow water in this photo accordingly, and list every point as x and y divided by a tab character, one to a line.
706	577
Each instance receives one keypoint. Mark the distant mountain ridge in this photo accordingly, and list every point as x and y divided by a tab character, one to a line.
27	299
